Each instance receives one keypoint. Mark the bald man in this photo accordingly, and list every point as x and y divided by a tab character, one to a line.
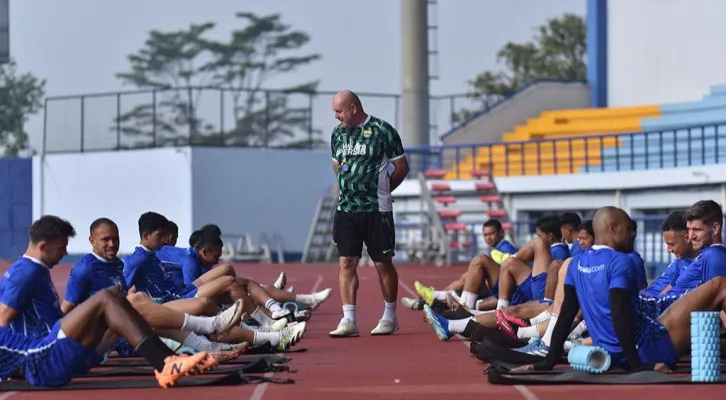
363	146
603	283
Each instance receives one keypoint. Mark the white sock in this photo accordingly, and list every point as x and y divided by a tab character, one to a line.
528	332
264	337
203	325
197	342
261	317
458	325
547	338
502	303
567	346
440	295
272	305
542	317
304	298
349	313
389	311
577	332
469	299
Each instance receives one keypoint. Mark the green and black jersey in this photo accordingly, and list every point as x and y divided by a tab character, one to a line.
363	154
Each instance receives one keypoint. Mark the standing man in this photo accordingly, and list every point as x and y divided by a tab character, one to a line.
363	146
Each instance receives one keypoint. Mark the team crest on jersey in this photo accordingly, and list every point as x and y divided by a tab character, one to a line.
367	132
116	281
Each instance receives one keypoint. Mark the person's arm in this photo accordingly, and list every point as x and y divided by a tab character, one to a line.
568	311
623	283
394	151
19	288
191	269
336	164
623	323
78	288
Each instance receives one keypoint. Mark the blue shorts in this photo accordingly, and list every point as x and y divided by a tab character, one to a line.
522	293
58	359
653	307
655	345
538	286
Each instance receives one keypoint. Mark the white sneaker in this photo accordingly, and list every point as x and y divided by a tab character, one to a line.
410	302
228	318
345	328
320	297
385	327
276	326
290	336
281	281
280	314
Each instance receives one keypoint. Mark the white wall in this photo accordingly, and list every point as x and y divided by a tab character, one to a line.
662	51
260	191
120	185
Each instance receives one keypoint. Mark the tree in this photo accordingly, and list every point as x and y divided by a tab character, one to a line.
558	51
21	97
182	65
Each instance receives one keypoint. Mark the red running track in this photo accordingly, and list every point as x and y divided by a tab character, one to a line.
411	364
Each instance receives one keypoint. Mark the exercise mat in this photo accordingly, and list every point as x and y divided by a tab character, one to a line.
244	360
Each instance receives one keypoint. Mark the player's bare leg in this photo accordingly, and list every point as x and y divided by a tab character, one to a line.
388	279
348	288
108	310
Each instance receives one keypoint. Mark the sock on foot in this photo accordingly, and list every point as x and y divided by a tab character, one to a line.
349	312
459	325
540	318
203	325
154	351
547	338
389	311
528	332
502	303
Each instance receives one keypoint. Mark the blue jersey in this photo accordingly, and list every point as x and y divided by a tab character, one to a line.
710	263
560	251
575	248
171	258
505	246
668	277
639	264
27	288
593	273
144	270
192	266
91	274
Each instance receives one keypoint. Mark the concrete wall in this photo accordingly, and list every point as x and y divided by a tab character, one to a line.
243	190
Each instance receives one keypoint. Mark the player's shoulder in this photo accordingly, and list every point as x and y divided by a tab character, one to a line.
84	264
380	124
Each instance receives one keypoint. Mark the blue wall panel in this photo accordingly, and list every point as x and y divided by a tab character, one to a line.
16	205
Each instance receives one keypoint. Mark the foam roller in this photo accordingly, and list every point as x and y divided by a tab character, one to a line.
592	359
705	347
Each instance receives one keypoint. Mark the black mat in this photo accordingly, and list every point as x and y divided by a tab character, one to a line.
229	379
244	361
492	351
259	367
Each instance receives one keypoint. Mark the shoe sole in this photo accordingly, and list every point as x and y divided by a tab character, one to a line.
339	336
386	333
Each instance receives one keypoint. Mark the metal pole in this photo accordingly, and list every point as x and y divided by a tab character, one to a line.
414	73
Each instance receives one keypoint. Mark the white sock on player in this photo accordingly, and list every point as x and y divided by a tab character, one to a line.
540	318
389	311
440	295
502	303
547	338
528	332
468	299
458	325
349	313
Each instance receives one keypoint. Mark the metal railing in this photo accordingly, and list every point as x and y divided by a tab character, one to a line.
677	147
211	116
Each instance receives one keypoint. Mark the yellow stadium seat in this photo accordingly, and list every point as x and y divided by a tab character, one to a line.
555	142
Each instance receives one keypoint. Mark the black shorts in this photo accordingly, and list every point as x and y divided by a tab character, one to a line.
375	229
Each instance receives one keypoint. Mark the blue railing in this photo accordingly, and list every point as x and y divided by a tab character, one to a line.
676	147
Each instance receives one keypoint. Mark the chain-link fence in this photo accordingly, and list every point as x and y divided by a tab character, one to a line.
213	117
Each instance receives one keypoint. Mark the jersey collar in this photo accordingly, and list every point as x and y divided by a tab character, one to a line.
35	260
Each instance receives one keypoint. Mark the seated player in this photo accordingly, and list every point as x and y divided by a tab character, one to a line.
570	231
585	235
704	223
604	286
143	270
675	237
102	268
49	349
529	282
199	260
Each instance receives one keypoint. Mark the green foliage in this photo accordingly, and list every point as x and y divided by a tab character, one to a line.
182	66
557	51
21	96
